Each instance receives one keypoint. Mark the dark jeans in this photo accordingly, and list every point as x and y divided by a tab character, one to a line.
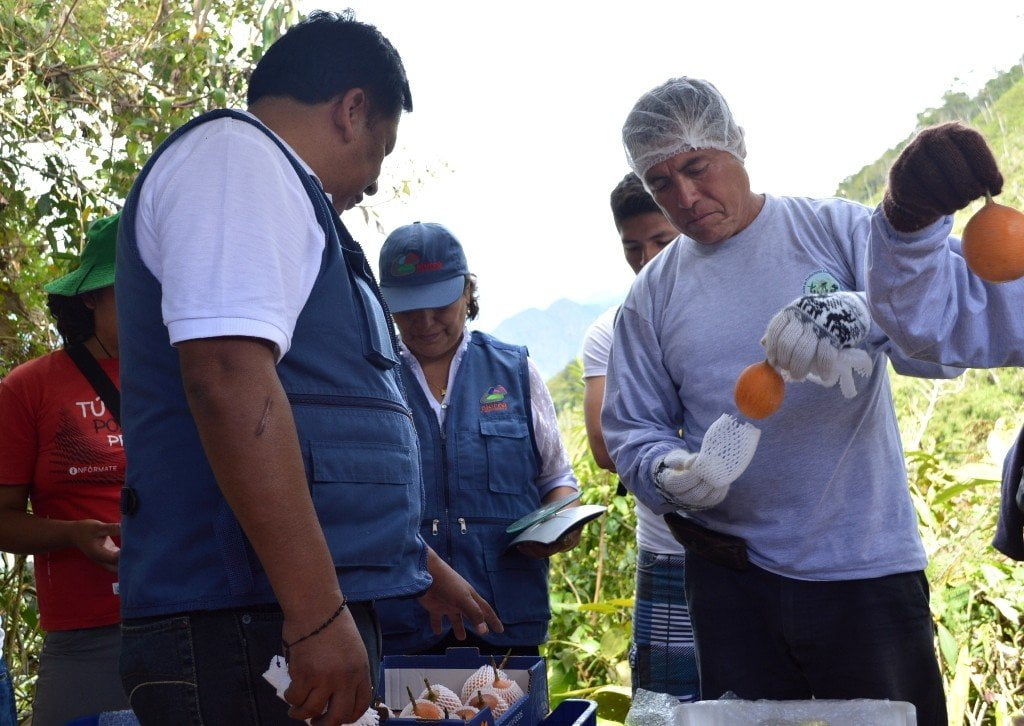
207	667
761	635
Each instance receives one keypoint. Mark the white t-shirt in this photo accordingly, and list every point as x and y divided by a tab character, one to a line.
555	470
226	226
652	534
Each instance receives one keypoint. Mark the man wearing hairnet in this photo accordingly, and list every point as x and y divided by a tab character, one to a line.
805	569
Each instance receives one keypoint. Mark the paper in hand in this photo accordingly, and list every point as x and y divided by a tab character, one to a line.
277	676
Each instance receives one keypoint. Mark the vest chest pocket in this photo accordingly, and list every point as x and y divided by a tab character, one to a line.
361	492
377	349
497	457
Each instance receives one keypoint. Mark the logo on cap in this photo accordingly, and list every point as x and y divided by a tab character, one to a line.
494	399
409	264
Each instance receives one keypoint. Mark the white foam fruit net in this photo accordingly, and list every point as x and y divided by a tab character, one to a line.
726	451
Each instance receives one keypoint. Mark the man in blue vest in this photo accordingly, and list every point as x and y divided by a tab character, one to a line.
273	489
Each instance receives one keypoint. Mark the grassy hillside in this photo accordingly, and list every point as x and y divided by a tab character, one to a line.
997	111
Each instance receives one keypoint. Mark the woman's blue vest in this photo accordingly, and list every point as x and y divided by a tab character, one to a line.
182	548
479	476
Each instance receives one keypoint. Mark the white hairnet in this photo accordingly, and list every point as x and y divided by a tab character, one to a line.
680	115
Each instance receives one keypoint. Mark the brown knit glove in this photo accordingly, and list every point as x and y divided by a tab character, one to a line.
942	170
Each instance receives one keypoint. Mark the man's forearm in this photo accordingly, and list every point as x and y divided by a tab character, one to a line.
248	433
593	399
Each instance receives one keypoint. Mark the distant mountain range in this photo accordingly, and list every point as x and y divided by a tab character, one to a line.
554	335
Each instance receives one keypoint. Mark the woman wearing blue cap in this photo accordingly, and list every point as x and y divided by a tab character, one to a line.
489	441
60	448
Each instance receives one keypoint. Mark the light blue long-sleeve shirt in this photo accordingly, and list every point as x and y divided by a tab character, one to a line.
825	496
921	293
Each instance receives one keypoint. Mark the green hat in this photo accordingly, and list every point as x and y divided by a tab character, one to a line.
96	268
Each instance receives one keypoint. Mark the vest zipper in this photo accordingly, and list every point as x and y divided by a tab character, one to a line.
325	399
433	527
462	525
449	550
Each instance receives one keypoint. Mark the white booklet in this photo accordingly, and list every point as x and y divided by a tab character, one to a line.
554	526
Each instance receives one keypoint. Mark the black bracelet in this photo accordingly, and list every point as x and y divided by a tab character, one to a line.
319	629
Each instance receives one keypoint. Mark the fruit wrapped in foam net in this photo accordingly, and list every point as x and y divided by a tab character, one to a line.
487	697
491	676
465	712
442	695
421	708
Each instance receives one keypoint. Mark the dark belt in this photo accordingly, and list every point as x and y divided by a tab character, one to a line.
722	549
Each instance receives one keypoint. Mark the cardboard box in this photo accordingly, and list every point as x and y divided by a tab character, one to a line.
399	672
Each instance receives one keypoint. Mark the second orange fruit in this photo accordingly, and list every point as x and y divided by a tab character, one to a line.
759	390
993	242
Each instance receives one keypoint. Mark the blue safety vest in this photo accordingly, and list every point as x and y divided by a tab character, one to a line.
183	549
479	475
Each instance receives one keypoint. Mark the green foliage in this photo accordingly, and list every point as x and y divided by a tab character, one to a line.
592	585
23	639
566	386
956	434
88	89
996	111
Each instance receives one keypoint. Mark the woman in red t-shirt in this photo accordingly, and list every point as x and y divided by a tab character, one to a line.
61	450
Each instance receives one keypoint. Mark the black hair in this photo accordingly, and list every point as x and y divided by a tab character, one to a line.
328	54
75	321
630	199
473	307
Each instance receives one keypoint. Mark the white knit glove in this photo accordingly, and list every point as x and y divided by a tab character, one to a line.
817	337
700	481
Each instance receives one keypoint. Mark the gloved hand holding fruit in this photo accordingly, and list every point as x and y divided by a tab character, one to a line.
816	337
942	170
699	481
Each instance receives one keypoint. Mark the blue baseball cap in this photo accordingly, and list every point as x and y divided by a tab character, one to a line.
422	265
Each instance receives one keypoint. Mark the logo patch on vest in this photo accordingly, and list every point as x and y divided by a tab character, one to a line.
494	399
820	283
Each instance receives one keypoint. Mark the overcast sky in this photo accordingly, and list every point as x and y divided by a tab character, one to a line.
518	109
